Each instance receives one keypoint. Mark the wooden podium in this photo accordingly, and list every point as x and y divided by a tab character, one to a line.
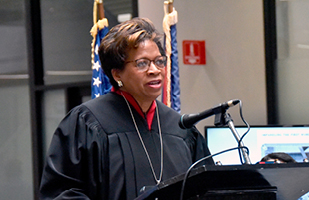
260	181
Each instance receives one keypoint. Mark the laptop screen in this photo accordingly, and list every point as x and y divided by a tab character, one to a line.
260	140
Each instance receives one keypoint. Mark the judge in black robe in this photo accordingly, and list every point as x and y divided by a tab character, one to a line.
101	156
96	152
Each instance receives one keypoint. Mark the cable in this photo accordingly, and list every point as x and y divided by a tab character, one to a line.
244	134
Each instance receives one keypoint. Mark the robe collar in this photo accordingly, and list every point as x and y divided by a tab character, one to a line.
148	116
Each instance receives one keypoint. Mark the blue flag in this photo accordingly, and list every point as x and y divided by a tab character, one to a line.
175	89
171	89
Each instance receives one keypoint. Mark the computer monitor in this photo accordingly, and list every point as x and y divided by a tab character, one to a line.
260	140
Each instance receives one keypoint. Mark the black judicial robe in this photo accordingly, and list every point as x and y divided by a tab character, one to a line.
96	153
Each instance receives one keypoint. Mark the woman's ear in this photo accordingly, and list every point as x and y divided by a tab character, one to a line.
116	74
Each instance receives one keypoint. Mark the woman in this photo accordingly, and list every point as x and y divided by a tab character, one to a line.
114	145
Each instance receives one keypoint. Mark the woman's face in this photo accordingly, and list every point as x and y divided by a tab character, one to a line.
144	86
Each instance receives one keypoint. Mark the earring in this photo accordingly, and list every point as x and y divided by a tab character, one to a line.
119	83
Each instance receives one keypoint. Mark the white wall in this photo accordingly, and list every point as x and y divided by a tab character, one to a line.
235	68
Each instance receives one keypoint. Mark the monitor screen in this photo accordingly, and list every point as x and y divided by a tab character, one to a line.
260	140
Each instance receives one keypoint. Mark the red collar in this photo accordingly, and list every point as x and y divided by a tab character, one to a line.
150	113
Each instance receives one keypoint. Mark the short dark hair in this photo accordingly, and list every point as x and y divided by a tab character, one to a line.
284	157
113	50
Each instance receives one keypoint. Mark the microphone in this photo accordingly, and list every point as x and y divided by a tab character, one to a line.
188	120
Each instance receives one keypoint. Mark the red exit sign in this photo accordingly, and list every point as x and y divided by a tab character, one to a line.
194	52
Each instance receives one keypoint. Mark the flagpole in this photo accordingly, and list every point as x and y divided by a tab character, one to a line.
98	8
101	9
170	6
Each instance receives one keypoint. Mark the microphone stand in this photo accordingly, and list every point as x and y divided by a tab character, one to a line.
224	118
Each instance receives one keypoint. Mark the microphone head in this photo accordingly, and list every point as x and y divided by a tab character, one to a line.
189	120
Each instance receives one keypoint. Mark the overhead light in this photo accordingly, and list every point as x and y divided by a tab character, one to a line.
124	17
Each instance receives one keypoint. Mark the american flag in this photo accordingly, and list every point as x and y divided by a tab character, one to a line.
100	84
